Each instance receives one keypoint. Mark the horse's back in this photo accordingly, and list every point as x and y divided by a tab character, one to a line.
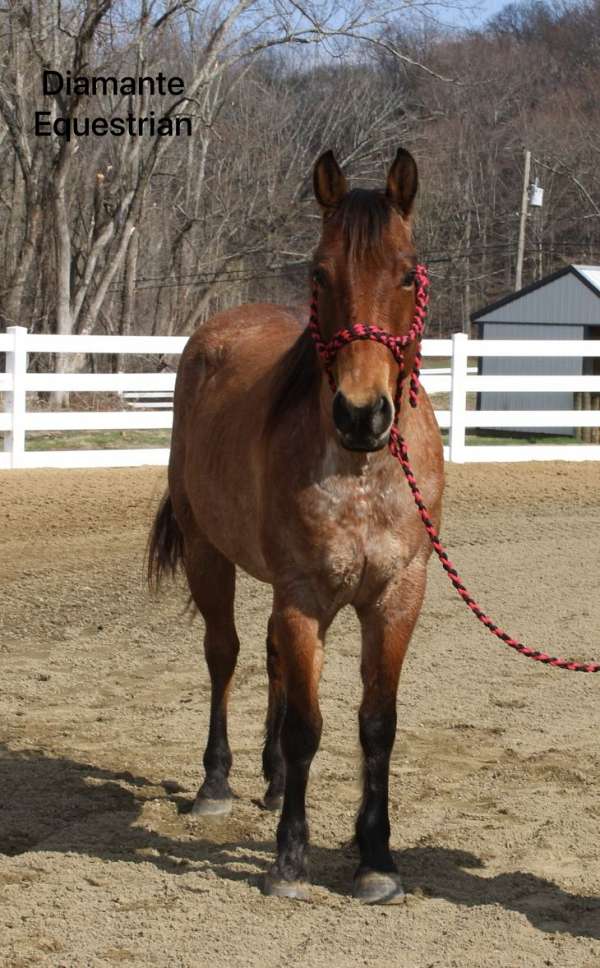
229	360
245	342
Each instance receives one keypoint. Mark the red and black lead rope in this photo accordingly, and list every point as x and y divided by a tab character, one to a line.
397	445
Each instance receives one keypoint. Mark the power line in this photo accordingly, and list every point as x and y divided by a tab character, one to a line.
206	279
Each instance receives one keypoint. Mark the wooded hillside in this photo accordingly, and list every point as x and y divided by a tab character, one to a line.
150	234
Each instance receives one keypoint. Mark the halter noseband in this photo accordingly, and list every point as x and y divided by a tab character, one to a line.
363	331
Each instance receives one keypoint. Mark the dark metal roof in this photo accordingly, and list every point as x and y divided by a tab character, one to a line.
588	275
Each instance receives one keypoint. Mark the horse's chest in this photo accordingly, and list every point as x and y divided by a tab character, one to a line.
358	529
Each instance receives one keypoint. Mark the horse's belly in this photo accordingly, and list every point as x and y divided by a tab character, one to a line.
235	535
224	495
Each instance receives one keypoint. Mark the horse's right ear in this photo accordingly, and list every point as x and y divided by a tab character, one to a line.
329	183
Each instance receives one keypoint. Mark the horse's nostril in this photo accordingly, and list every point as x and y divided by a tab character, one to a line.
362	423
343	413
382	415
384	407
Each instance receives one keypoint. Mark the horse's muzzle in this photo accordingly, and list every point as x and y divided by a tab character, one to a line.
363	428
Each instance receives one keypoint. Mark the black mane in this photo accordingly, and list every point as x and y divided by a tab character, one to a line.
295	377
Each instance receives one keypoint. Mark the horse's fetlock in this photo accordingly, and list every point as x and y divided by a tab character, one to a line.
291	857
215	787
292	833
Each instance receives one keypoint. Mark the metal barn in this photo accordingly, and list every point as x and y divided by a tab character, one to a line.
564	305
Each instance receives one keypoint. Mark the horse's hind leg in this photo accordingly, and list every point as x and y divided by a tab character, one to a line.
273	762
211	578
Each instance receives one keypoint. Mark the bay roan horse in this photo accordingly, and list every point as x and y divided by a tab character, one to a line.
272	472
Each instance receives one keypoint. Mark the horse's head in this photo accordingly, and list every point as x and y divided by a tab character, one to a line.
363	272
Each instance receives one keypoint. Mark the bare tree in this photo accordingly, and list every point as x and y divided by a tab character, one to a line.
131	234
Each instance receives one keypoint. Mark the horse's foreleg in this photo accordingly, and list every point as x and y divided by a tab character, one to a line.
273	762
299	640
386	630
211	578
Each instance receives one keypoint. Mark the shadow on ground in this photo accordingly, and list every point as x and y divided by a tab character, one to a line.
57	804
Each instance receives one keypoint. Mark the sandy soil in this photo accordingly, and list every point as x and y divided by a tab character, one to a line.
103	714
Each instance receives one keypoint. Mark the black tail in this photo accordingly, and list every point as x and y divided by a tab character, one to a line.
165	544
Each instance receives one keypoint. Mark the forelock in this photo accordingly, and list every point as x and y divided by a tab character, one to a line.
364	216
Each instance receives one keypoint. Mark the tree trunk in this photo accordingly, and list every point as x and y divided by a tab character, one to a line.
63	362
128	298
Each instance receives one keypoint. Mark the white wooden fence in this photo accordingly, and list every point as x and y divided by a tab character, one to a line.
457	381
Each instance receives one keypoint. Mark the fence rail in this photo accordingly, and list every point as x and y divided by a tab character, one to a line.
456	380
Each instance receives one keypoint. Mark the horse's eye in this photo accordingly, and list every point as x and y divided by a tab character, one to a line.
409	278
319	277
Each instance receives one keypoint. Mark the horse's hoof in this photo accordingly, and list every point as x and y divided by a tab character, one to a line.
203	807
275	886
273	801
375	887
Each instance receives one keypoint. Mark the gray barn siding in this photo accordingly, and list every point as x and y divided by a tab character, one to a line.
564	307
493	366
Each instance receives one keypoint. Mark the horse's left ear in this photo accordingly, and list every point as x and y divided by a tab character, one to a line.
403	181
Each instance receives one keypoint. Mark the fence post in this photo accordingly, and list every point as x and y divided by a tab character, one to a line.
15	399
458	397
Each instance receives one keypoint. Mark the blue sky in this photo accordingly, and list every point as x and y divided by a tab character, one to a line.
488	8
474	13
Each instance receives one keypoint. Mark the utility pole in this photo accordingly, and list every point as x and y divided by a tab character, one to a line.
467	309
524	200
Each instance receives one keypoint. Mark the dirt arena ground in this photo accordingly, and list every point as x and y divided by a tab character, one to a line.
103	712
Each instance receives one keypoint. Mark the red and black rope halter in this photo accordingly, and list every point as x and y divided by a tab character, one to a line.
397	445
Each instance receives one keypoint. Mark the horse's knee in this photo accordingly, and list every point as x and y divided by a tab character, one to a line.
377	729
301	733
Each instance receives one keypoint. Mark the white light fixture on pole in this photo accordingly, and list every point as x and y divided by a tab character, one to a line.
536	195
